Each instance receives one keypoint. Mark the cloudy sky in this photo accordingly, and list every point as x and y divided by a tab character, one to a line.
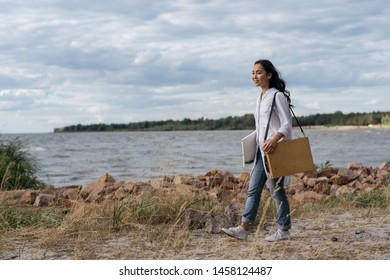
66	62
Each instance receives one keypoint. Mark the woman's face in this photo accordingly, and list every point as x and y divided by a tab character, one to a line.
260	77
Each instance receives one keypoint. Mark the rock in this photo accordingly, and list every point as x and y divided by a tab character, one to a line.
106	178
214	181
70	193
28	197
322	187
163	182
310	182
212	172
227	176
228	185
328	172
309	196
336	179
94	192
347	175
295	188
333	190
195	218
137	188
382	165
184	180
354	165
343	190
364	171
234	212
50	189
215	224
120	193
45	200
244	177
322	179
367	188
383	175
225	195
310	174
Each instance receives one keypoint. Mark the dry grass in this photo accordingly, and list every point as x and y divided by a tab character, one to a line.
151	226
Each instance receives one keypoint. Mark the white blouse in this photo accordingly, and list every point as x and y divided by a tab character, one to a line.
281	120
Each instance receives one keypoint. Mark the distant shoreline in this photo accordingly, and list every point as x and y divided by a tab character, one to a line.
309	127
343	127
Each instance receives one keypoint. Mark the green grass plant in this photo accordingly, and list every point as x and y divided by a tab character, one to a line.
12	217
18	169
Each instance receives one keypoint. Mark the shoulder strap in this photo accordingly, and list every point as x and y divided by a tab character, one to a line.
270	114
297	121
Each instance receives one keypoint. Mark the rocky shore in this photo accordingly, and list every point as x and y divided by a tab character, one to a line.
312	186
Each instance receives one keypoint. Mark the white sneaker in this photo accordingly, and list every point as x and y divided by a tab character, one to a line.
278	235
237	232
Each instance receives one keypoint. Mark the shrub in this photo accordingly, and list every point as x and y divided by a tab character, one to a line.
17	168
13	218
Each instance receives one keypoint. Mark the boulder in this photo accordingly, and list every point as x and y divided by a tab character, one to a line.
383	175
45	200
228	185
225	194
106	178
195	218
214	180
184	180
94	192
328	172
215	224
333	190
212	172
336	179
322	187
311	182
234	212
367	188
120	193
354	165
364	171
343	190
347	175
295	188
383	165
163	182
309	196
28	197
70	193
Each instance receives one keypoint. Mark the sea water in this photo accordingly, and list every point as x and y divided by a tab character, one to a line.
80	158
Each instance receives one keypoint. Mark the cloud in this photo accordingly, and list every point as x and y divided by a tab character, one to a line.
70	62
313	106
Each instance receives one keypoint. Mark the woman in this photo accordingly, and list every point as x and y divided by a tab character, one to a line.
266	76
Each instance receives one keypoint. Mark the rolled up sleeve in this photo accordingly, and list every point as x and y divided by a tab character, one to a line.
283	110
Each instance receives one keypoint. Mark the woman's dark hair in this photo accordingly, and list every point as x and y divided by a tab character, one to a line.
276	80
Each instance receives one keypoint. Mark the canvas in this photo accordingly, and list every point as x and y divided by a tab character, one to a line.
249	146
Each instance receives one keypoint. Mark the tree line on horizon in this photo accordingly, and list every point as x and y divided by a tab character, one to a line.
245	122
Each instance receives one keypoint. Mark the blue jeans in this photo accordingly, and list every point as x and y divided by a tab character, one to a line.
278	194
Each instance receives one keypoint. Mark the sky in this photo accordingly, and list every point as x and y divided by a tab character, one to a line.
67	62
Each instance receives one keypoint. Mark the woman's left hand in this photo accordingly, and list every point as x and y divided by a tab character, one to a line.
269	146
